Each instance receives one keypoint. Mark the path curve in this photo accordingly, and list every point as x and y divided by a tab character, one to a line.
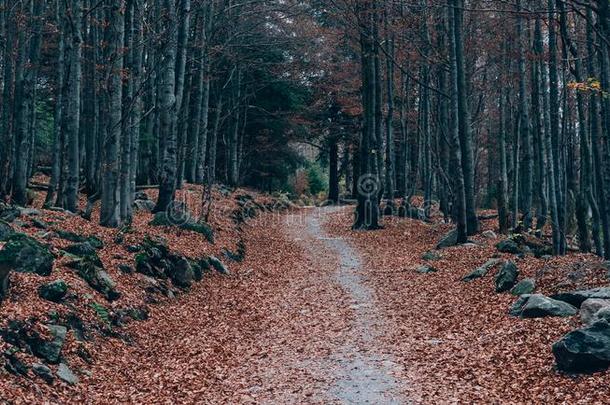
362	375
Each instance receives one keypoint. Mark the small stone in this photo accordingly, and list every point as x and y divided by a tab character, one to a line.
51	350
507	277
425	269
431	255
489	234
144	205
54	291
509	246
65	374
81	249
32	212
590	308
218	265
539	306
526	286
43	372
482	270
450	239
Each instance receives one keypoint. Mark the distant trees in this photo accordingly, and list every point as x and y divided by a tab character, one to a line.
499	104
142	92
462	104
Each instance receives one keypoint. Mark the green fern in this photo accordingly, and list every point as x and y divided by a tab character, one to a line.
102	313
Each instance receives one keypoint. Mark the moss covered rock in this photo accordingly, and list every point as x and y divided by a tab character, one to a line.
25	255
54	291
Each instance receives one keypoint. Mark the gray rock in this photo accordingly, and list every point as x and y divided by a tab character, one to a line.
584	350
54	291
218	265
576	298
32	212
144	205
450	239
509	246
81	249
141	195
602	315
65	374
96	277
431	255
489	234
182	274
525	286
590	307
482	270
539	306
43	372
25	255
426	269
51	350
507	277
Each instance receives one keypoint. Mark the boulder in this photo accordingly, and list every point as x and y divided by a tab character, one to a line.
431	255
509	246
584	350
218	265
507	277
54	291
65	374
576	298
426	269
25	255
43	372
482	270
590	307
525	286
539	306
450	239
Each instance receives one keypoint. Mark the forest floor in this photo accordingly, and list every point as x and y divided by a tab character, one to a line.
318	313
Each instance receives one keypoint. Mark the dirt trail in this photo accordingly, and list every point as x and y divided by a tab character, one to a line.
362	375
293	324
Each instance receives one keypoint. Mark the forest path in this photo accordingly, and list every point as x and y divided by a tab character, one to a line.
295	323
362	374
